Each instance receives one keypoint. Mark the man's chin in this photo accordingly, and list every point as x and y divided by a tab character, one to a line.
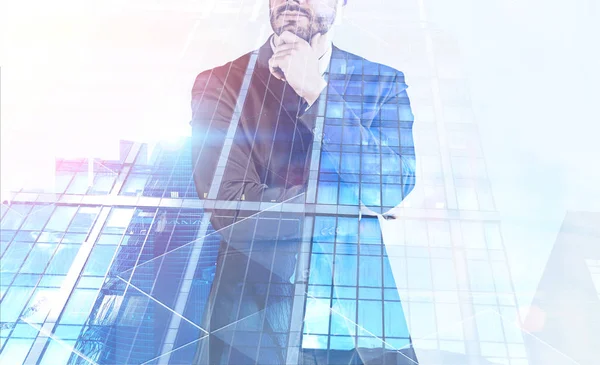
300	32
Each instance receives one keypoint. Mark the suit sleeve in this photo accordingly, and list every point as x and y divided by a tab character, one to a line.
382	126
235	175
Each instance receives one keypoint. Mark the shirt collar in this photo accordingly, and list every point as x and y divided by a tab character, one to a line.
324	60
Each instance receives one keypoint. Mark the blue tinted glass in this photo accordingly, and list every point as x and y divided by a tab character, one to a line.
392	195
332	134
79	306
15	351
330	161
316	319
370	293
14	216
347	230
371	163
389	112
134	185
343	317
84	219
371	88
406	138
393	316
38	217
341	342
40	300
79	184
334	109
38	258
61	218
388	275
14	256
369	318
352	134
349	193
118	220
345	270
99	260
370	194
324	229
327	193
350	163
57	353
369	271
102	184
62	260
370	232
14	302
320	269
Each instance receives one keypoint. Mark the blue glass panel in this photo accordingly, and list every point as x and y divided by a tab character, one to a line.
391	136
334	109
345	270
392	195
57	353
37	218
14	216
390	164
369	271
370	194
394	319
320	269
343	309
50	237
63	258
332	134
79	184
324	230
369	318
352	134
79	306
15	351
371	88
316	319
118	220
370	293
134	185
314	342
341	343
389	112
74	237
52	280
67	332
61	218
38	258
24	330
102	184
348	193
14	256
330	162
388	276
40	304
391	294
319	291
345	292
14	302
26	279
109	239
327	192
350	163
99	260
371	163
84	219
347	230
370	232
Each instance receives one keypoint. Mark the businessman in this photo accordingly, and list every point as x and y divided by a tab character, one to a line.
281	136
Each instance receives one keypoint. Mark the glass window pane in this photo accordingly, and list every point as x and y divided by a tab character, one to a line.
345	270
370	232
80	184
370	194
102	184
57	353
14	256
347	230
349	193
343	317
79	306
324	229
369	318
62	260
134	185
316	320
60	219
14	302
84	219
350	163
118	220
334	109
62	180
394	319
320	269
38	217
369	271
15	351
99	260
327	193
14	216
38	258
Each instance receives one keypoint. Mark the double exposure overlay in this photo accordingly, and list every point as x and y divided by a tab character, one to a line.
324	208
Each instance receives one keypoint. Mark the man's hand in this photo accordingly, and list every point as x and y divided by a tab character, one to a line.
296	62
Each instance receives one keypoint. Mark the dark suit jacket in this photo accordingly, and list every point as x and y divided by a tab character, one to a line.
361	126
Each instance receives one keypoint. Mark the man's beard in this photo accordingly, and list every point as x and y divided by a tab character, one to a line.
316	25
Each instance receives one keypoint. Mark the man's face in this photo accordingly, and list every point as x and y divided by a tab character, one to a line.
305	18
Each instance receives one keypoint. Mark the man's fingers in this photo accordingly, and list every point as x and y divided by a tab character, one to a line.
286	46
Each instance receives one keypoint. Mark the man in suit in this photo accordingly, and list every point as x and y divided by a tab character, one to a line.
280	136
